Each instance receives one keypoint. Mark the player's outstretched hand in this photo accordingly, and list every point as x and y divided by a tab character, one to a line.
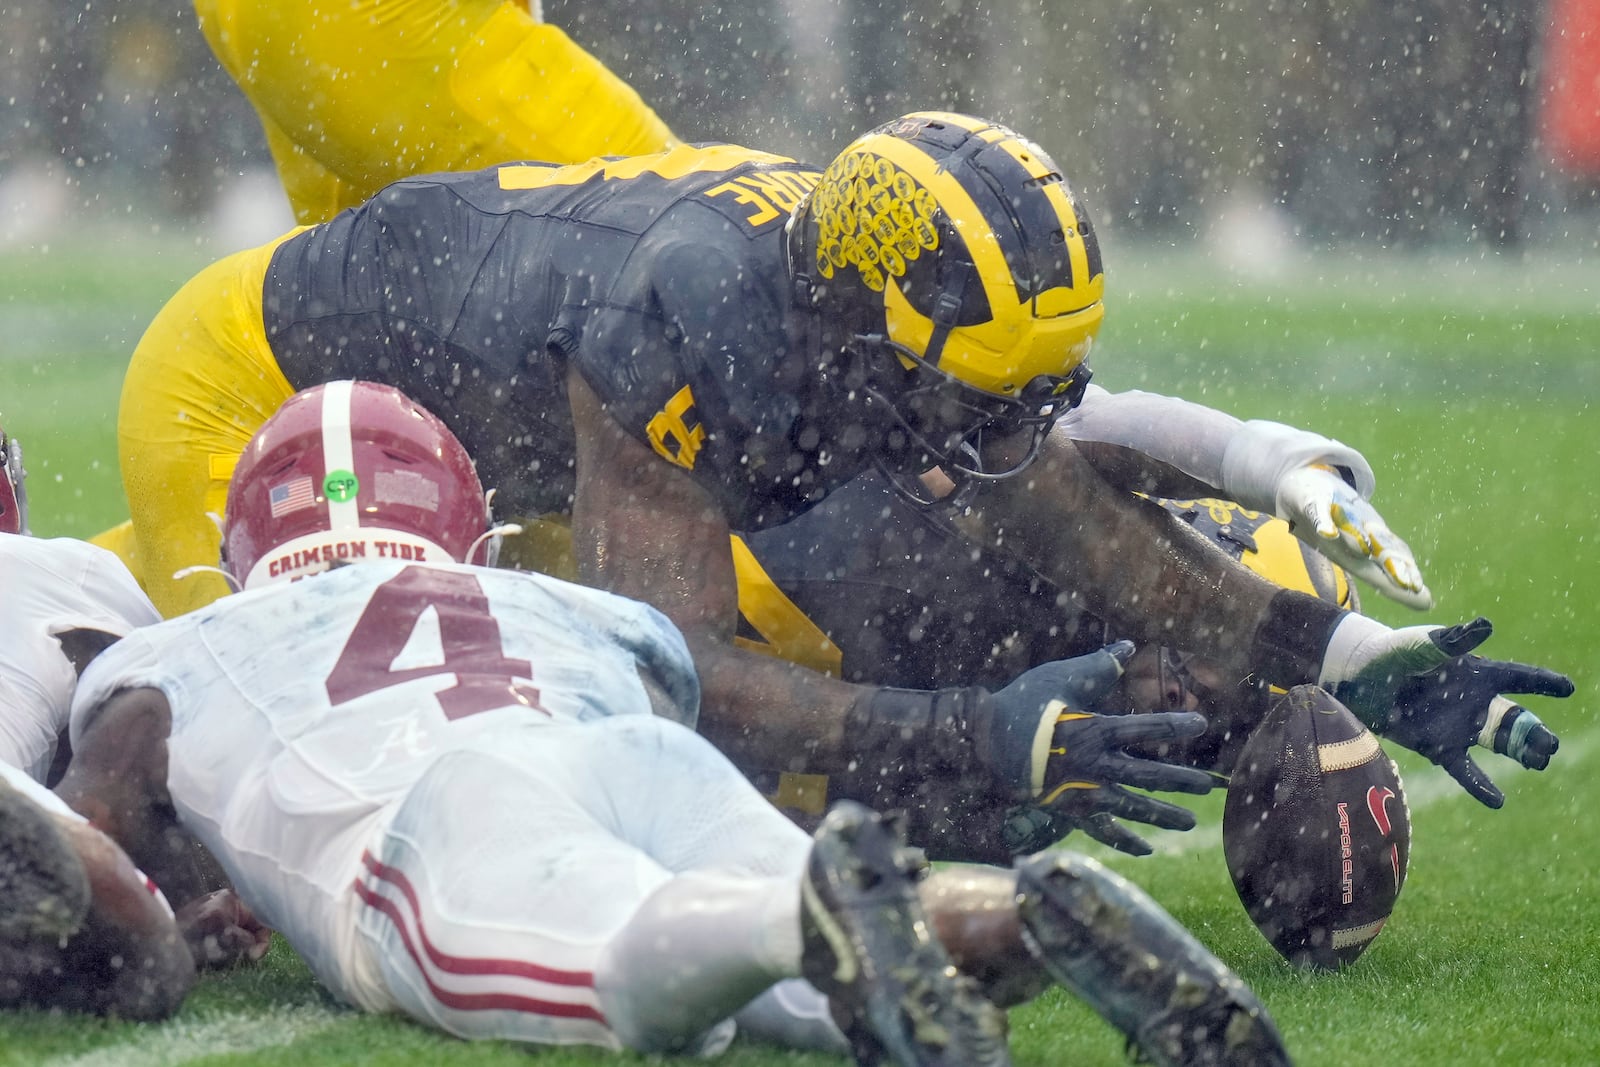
1420	687
221	930
1324	511
1073	765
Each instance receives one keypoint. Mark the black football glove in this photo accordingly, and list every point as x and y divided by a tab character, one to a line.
1419	687
1073	764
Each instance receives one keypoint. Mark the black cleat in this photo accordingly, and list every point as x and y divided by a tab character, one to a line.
868	947
1103	938
44	890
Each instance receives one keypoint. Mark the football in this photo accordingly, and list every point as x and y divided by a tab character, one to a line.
1316	831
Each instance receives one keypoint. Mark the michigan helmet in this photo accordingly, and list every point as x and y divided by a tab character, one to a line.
1264	544
949	253
345	472
13	488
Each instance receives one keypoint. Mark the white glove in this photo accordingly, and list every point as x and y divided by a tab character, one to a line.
1324	512
1322	489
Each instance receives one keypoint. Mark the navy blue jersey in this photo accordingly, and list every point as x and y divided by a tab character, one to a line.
661	278
901	598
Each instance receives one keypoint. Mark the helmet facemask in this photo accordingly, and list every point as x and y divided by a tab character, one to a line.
947	420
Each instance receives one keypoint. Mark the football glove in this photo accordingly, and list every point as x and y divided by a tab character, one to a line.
1322	488
1073	764
1419	686
1326	513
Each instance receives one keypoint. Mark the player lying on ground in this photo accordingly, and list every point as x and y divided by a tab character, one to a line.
356	95
80	928
65	601
679	345
445	786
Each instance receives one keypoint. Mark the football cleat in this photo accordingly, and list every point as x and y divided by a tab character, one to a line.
1108	942
44	890
868	947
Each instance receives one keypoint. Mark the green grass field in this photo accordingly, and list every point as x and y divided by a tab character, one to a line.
1471	386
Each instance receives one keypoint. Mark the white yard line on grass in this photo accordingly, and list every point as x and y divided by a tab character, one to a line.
184	1040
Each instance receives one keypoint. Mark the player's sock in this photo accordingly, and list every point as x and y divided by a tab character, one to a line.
709	943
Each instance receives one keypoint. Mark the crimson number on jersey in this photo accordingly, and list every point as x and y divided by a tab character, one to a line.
469	637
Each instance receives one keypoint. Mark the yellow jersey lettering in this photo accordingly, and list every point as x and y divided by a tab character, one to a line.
673	163
764	212
671	435
774	190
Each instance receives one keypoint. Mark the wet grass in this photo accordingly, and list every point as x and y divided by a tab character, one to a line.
1478	415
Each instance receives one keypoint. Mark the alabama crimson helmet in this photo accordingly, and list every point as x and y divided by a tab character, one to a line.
345	472
13	492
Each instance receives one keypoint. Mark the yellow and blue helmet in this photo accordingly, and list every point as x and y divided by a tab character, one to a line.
1265	545
954	246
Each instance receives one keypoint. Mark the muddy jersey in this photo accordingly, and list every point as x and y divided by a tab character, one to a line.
661	278
894	595
361	675
53	585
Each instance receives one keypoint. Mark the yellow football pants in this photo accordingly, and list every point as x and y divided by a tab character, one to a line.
356	94
200	383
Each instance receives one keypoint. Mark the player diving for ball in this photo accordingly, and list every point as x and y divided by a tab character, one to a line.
81	928
672	347
872	585
473	796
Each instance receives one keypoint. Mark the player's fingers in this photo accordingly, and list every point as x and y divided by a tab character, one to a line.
1527	679
1352	525
1150	811
1161	777
1404	586
1512	730
1115	802
1097	674
1319	517
1109	832
1399	579
1459	640
1477	784
1153	726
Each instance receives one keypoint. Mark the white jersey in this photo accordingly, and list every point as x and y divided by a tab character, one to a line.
342	690
51	586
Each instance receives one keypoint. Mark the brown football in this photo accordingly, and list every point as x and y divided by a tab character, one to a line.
1316	831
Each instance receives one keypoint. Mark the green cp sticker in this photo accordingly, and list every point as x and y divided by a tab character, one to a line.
340	486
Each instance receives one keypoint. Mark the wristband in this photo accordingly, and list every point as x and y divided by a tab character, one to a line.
1291	642
915	734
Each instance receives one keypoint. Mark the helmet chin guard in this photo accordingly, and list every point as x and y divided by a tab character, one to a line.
947	419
